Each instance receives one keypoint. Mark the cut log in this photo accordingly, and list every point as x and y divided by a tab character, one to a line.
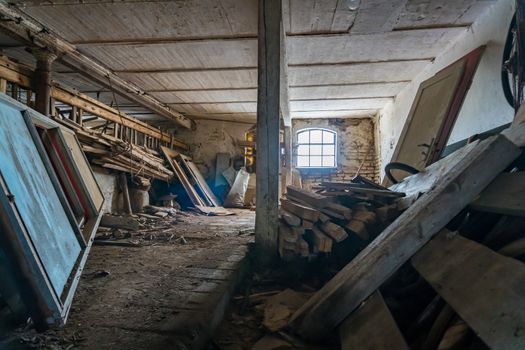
371	327
469	172
333	230
307	225
122	222
368	217
323	217
487	291
301	211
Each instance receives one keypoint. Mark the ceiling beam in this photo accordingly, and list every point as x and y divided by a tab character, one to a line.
24	28
156	41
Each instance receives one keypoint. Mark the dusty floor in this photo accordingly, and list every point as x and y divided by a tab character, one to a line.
162	296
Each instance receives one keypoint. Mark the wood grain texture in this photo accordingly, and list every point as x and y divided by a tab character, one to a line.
371	327
404	237
488	291
505	195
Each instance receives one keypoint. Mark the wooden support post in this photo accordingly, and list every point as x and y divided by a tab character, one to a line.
80	117
42	82
267	192
288	152
125	193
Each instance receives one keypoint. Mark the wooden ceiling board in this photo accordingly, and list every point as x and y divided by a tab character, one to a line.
355	73
425	13
317	16
335	105
216	108
401	45
110	21
176	55
335	114
346	91
206	96
76	81
193	80
377	16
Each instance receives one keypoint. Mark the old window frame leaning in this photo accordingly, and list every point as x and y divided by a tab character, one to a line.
318	151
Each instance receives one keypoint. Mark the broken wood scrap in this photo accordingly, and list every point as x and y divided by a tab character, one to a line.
469	174
121	222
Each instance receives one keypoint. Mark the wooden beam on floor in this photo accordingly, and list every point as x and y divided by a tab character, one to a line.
268	125
26	29
371	326
471	172
485	288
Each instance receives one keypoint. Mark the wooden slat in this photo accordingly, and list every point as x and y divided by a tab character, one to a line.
206	190
314	199
372	327
192	194
485	288
398	242
301	211
505	195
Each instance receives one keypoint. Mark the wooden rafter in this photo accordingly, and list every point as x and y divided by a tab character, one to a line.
22	27
21	75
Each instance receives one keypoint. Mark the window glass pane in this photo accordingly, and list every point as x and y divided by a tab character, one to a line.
315	161
303	137
302	150
328	137
315	150
329	161
302	161
328	150
316	136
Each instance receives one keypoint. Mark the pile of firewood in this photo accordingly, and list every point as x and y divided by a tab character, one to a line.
113	153
312	222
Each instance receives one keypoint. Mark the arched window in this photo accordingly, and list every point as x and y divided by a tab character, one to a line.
316	148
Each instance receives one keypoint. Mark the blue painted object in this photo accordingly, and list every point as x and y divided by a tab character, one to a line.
35	198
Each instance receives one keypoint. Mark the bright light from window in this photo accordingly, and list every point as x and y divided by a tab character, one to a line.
316	148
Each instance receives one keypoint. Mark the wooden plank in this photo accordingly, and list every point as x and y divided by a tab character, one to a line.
121	222
487	291
192	194
372	327
301	211
195	172
322	243
399	241
268	124
314	199
333	230
290	218
505	195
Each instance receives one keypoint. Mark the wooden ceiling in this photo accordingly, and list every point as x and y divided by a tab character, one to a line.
200	57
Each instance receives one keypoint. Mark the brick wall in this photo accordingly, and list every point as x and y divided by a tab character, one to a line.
355	146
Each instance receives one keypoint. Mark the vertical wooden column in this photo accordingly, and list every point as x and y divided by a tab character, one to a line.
288	152
268	97
42	80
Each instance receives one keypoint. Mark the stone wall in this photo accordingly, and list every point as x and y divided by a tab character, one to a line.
355	146
212	137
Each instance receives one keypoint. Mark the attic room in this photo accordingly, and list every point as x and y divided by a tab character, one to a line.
262	174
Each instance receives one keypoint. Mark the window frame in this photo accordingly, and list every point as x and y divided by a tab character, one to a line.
319	168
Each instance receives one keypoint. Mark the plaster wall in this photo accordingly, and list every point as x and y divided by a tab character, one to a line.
484	107
212	137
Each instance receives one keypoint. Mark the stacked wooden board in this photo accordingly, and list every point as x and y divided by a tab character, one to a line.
113	153
312	223
485	292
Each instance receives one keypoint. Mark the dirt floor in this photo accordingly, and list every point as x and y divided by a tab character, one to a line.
166	293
